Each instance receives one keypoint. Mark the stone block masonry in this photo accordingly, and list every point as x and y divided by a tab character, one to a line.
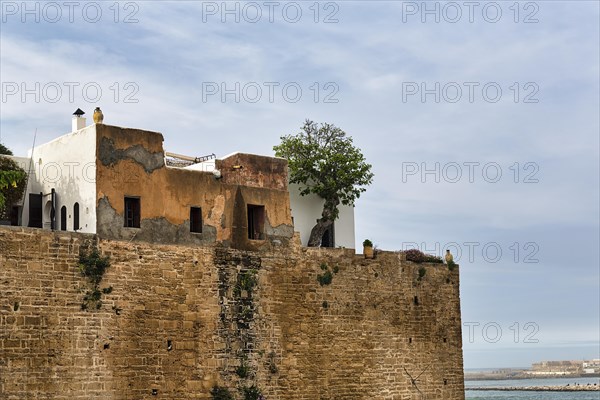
181	319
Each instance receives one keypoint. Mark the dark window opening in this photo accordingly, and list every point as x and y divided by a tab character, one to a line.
256	222
76	216
63	218
445	381
14	215
132	212
53	209
196	219
416	301
328	239
35	210
409	340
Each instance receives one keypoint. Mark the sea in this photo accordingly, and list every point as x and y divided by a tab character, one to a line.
498	395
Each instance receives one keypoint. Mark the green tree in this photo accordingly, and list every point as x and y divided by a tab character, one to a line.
323	160
5	150
12	184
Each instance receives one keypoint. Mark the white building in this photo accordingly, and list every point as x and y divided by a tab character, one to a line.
306	210
65	165
63	192
592	366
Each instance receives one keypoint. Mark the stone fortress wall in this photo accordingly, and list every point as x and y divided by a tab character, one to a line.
183	318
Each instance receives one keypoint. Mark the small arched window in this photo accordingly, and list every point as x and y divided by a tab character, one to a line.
76	216
63	218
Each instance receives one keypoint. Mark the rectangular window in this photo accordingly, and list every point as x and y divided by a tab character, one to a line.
76	217
196	219
63	218
256	222
132	212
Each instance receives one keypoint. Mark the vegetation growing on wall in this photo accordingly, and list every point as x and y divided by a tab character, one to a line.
247	282
238	283
272	366
451	265
243	370
327	277
92	265
417	256
251	393
422	272
220	393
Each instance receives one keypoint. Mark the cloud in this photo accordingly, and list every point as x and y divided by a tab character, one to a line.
369	55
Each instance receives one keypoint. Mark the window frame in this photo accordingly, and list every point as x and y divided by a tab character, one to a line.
136	219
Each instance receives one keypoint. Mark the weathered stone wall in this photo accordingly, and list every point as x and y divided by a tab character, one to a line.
181	319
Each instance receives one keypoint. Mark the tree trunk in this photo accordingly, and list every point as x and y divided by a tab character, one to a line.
316	234
328	215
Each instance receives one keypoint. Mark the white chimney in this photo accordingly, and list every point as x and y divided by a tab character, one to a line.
78	122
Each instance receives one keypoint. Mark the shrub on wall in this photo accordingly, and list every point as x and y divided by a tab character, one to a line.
252	393
416	255
247	281
327	277
451	265
243	370
220	393
93	266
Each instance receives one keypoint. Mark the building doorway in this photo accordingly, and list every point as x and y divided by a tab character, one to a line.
35	210
256	222
328	239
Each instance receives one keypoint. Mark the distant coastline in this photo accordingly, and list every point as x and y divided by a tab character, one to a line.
568	388
576	369
514	374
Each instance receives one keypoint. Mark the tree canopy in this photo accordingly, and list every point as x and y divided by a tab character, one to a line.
323	160
12	182
5	150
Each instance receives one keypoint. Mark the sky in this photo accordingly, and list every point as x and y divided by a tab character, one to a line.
481	121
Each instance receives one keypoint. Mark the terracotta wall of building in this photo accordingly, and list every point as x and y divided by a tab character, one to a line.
131	163
181	319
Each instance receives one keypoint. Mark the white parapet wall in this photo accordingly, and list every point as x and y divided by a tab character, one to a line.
307	209
67	164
